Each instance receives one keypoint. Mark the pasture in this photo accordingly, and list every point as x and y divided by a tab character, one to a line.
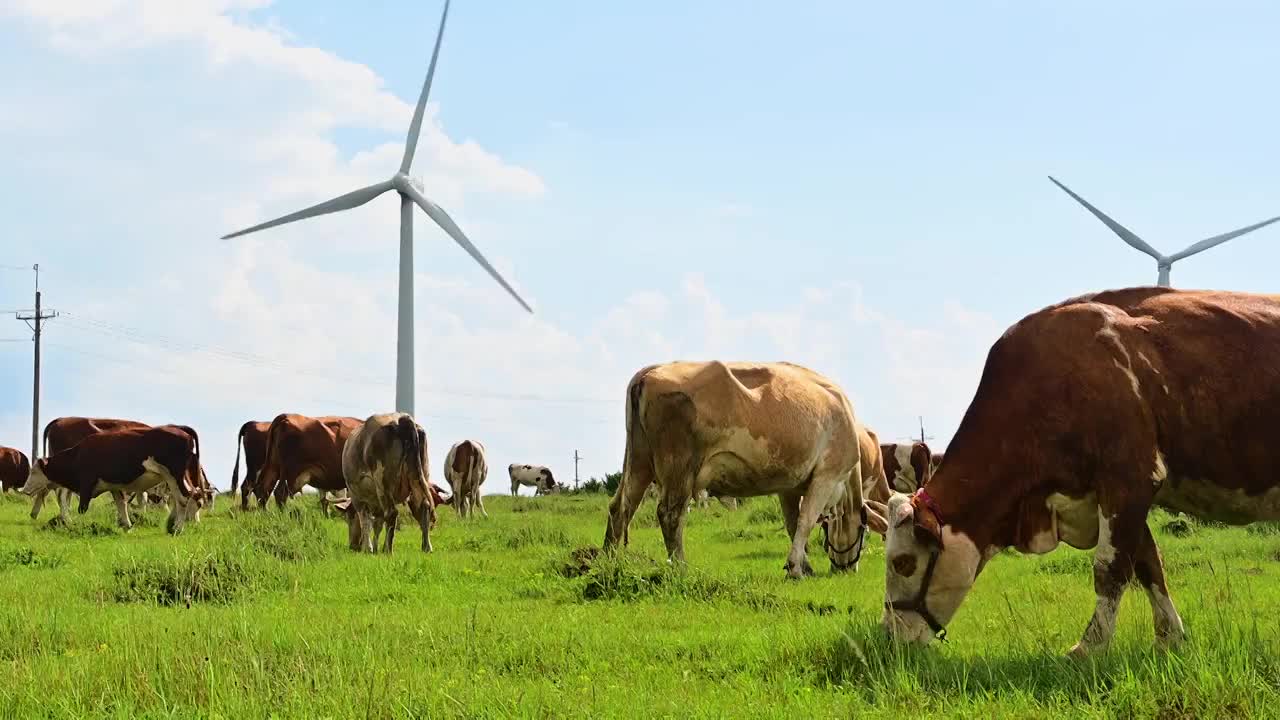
269	615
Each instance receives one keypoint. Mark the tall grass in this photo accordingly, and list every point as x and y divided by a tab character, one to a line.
266	614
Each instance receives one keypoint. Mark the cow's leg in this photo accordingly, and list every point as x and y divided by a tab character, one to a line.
673	508
626	500
515	487
1149	569
37	501
477	502
64	505
1120	536
790	504
823	491
122	509
393	521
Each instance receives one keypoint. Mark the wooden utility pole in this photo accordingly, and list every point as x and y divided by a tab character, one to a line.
34	320
576	458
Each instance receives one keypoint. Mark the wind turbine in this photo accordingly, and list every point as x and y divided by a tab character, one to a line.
410	190
1163	262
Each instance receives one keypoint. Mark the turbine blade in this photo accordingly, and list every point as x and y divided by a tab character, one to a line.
1125	233
415	127
353	199
435	212
1219	239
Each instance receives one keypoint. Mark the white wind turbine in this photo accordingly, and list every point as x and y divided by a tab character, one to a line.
410	190
1163	262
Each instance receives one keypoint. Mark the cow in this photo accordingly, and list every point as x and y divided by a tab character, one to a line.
934	462
62	433
303	451
253	438
537	477
739	430
907	465
14	468
465	470
1088	413
384	462
130	460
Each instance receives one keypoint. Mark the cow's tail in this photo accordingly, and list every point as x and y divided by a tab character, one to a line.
194	470
45	437
414	473
235	470
634	455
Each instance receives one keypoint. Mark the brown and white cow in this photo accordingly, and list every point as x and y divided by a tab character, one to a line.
384	460
253	438
740	430
14	468
303	451
131	460
465	469
62	433
1088	413
907	465
537	477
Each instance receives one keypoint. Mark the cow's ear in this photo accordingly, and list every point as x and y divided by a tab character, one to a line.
342	506
876	520
928	530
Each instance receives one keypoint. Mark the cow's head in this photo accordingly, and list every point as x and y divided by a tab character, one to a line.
844	531
929	568
36	479
548	481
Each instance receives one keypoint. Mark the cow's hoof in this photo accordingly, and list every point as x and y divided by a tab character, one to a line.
57	521
1080	651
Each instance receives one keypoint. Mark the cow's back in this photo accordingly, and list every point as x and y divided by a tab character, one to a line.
1145	385
65	432
766	412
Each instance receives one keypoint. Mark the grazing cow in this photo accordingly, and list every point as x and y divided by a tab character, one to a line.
537	477
253	437
907	465
384	462
465	469
62	433
1088	413
14	468
130	460
303	451
741	430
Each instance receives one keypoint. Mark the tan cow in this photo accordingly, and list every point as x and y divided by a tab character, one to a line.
1088	413
907	465
465	469
740	430
383	461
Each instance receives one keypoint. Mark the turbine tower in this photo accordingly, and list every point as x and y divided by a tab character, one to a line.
410	191
1163	262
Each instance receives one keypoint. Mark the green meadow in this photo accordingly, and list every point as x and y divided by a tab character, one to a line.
267	614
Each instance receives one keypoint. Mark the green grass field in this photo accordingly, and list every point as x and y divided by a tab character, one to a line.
268	615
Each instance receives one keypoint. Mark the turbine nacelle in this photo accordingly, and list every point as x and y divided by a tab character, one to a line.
1164	263
410	190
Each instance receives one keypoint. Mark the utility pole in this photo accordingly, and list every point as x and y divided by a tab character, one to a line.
576	458
923	438
34	321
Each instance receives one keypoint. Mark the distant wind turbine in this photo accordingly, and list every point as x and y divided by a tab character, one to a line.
1163	262
410	190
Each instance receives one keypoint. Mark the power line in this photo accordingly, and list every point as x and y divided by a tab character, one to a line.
166	343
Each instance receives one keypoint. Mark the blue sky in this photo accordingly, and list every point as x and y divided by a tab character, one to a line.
858	188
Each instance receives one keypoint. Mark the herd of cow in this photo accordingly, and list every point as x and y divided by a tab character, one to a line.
1088	413
370	467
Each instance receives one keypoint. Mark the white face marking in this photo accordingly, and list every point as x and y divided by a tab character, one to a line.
953	576
36	480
